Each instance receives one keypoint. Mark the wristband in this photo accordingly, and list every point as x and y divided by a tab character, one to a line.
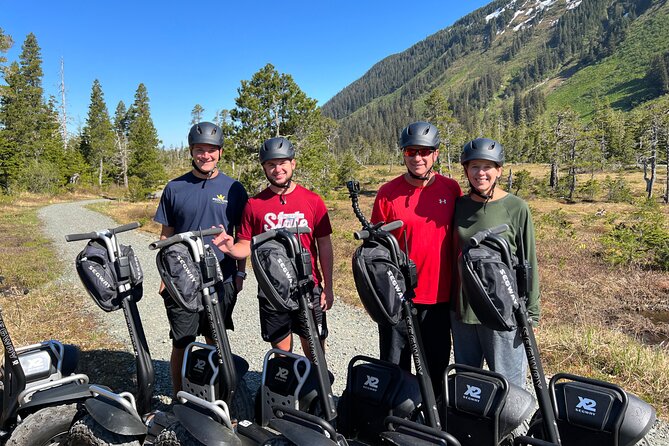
241	274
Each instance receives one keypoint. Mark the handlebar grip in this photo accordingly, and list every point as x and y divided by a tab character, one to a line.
84	236
165	242
126	227
271	233
477	238
176	238
392	225
361	235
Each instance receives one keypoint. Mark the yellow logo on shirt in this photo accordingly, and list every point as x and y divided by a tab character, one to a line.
220	199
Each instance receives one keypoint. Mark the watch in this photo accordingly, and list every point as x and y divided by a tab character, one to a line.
241	274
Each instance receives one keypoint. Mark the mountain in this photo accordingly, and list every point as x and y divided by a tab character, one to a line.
512	60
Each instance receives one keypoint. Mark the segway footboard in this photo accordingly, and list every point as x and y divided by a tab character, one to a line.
375	390
288	381
402	432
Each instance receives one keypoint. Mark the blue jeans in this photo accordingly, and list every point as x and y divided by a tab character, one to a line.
503	351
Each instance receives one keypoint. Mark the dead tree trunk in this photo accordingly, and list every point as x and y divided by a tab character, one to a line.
572	171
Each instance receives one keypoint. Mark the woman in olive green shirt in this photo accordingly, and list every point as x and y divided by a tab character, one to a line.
487	206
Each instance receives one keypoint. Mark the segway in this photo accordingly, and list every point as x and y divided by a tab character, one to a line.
476	401
385	279
572	410
291	386
39	391
113	277
215	394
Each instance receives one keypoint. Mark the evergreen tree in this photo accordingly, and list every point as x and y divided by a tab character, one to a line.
27	121
438	112
196	114
122	152
143	143
270	104
97	142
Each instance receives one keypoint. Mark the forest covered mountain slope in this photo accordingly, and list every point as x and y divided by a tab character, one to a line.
512	61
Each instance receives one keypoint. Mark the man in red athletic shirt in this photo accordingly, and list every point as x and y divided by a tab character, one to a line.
286	204
424	201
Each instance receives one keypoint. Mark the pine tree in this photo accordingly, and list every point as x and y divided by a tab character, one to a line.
438	112
270	104
122	153
196	114
143	142
27	122
97	142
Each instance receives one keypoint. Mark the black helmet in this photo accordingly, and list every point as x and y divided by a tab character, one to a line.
483	149
205	133
276	148
420	134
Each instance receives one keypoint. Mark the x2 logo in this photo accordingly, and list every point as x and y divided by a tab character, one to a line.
472	393
199	364
281	374
371	383
587	406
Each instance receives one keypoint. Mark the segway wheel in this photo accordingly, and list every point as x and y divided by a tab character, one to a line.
48	426
87	432
176	435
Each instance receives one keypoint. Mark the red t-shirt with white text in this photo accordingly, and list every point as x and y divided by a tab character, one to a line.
427	213
301	207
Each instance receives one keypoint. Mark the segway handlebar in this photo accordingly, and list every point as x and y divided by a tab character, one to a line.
99	234
364	233
477	238
272	233
183	236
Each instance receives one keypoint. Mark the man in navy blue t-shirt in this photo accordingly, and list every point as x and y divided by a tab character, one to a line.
200	199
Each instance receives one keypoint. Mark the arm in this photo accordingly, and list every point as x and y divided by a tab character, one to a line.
529	245
241	267
326	260
238	251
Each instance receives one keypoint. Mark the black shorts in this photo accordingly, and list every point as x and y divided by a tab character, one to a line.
275	325
186	326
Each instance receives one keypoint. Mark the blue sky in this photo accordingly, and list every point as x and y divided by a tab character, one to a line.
189	53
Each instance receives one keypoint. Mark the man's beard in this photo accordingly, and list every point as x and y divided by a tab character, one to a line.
285	183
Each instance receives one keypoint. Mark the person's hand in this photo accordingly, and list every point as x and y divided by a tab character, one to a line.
239	284
327	298
223	241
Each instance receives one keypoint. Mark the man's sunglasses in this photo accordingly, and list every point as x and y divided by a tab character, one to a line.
412	152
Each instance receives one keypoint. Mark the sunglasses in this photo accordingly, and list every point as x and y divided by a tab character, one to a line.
422	152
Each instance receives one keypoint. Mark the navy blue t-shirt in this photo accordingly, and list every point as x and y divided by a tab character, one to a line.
189	203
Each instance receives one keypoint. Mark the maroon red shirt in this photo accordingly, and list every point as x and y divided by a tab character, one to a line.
301	208
427	213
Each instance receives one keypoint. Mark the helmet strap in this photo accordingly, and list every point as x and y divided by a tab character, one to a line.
486	197
203	172
425	177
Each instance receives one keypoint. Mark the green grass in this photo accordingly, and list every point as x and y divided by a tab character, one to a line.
620	78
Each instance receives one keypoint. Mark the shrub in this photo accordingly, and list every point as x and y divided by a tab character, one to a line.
641	240
617	190
590	189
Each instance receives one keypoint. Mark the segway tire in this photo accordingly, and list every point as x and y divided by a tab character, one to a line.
48	426
87	432
176	435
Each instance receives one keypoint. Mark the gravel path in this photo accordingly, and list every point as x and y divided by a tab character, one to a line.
351	331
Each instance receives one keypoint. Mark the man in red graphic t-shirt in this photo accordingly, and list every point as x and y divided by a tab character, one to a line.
424	201
286	204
